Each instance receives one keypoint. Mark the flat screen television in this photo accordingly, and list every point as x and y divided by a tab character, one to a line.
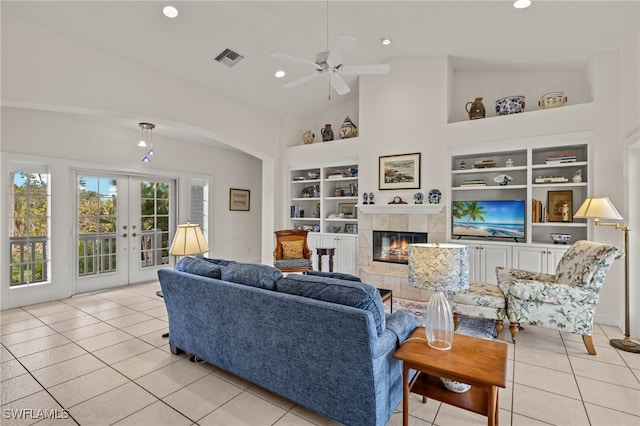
504	219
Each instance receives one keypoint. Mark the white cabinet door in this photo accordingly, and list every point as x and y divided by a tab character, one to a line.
346	257
483	260
532	259
537	259
490	257
553	258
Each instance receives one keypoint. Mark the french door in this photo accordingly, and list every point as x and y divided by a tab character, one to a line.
122	229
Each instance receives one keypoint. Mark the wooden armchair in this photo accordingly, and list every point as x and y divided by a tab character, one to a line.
292	253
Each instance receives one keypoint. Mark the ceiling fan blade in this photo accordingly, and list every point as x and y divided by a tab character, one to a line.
365	69
338	84
343	45
300	80
282	56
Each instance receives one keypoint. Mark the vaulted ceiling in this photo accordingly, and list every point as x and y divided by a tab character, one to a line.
551	33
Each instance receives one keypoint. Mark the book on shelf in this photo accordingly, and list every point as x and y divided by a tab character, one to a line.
561	158
550	179
482	164
473	182
538	211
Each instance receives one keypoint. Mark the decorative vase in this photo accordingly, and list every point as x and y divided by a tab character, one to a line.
327	133
365	198
371	198
308	137
348	129
475	109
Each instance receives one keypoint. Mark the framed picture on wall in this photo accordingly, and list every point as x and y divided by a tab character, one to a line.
560	206
239	199
399	171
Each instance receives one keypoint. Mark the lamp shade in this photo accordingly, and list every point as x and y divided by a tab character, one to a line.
597	208
188	240
439	266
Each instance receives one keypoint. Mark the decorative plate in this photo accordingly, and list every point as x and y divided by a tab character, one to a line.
434	196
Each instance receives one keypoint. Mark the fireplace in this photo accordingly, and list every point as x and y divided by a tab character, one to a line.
392	246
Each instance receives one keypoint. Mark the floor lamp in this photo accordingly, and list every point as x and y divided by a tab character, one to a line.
187	241
597	208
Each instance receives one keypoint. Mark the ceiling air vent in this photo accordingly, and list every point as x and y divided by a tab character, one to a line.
229	58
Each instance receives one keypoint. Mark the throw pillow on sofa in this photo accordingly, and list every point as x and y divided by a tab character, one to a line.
349	293
196	266
253	274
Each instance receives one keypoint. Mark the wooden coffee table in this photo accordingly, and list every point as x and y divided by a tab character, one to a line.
479	362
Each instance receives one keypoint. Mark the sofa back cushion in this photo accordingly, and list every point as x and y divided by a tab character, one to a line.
221	262
338	275
253	274
349	293
196	266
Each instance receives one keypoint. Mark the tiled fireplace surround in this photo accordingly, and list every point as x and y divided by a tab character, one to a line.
393	276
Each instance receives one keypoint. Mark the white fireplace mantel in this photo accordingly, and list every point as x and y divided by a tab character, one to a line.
401	208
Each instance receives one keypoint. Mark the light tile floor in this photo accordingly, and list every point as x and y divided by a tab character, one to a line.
100	359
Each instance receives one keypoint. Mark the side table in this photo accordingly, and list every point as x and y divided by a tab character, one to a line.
478	362
325	251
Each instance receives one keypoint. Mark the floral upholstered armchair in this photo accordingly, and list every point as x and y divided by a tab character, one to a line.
565	301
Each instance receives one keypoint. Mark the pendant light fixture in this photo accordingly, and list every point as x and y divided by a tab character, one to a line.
146	141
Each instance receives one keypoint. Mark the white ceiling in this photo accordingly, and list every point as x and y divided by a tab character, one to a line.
474	32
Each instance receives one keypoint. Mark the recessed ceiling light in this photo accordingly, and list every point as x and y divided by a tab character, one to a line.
170	11
522	4
279	74
386	41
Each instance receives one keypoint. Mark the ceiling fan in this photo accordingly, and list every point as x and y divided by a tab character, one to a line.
330	64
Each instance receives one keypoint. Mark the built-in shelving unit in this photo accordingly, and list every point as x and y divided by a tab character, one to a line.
474	173
324	201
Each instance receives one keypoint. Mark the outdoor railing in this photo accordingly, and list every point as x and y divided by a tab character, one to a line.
29	260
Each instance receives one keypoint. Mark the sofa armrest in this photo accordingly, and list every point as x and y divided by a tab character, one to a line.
402	323
399	325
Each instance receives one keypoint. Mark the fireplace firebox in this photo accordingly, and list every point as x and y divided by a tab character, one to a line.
393	246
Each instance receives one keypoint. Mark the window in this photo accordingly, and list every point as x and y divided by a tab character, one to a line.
155	206
97	221
29	223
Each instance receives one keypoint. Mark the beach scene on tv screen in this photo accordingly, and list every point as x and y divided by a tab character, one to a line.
492	219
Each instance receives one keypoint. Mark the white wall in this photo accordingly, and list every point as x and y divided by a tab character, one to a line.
65	141
42	70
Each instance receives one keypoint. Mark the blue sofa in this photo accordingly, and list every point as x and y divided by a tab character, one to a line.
323	342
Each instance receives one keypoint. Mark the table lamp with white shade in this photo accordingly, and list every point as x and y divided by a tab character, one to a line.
597	208
439	267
